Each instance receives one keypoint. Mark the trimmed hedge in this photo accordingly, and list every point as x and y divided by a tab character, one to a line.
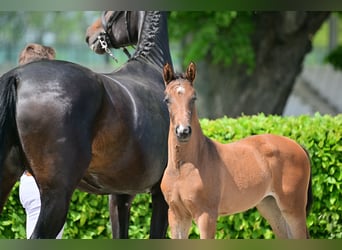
88	216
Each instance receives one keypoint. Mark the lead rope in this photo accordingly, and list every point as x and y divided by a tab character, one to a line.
106	26
104	46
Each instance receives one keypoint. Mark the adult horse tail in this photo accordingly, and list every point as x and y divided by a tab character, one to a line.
8	133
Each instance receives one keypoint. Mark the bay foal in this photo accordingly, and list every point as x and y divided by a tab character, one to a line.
205	179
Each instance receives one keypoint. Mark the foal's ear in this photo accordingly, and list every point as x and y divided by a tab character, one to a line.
168	74
191	72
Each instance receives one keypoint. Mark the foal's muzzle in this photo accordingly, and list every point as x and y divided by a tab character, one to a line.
183	133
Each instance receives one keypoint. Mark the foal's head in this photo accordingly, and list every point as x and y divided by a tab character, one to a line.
180	97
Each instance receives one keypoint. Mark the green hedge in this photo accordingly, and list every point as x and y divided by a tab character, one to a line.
88	216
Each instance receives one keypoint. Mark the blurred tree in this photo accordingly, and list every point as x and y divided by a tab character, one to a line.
10	22
335	55
67	26
247	61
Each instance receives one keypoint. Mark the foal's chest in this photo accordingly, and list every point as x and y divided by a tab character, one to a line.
181	183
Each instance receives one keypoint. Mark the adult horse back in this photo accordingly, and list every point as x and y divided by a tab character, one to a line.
104	133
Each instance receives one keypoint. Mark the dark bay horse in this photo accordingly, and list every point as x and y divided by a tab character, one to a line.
102	133
205	179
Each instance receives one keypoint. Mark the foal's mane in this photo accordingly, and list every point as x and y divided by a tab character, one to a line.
179	76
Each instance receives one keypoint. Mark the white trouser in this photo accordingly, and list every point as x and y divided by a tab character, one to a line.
30	199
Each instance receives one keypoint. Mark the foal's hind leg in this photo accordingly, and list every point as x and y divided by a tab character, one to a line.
119	208
269	209
295	216
297	225
293	209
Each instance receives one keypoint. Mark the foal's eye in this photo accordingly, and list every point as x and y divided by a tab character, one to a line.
167	100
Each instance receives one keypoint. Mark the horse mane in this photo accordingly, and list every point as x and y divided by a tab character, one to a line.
148	33
153	39
178	76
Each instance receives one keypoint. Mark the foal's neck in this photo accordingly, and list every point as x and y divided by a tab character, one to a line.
190	151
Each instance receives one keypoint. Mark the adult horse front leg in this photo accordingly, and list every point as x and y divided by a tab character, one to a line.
120	205
159	220
119	209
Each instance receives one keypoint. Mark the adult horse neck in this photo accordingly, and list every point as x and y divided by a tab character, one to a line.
153	45
103	133
148	32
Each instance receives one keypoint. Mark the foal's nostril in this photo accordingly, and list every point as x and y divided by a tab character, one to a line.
187	130
183	132
87	39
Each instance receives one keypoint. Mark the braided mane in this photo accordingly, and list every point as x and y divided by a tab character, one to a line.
153	40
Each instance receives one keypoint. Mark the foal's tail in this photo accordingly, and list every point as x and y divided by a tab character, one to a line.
8	128
310	196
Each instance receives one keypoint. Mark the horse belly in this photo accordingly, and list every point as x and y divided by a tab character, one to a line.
101	183
244	187
116	176
240	201
117	169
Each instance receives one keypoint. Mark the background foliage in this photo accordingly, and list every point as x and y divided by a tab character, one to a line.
88	216
223	35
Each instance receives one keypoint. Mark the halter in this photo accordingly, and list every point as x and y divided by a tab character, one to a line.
105	37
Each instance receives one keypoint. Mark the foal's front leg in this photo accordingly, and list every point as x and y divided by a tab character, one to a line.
206	223
179	225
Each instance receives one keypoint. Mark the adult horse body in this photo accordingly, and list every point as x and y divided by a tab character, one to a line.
103	133
205	179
